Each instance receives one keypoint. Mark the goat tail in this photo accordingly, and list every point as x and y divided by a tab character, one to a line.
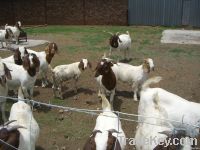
150	81
19	23
127	33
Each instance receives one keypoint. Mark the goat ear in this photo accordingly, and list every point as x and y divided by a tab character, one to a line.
110	64
55	48
26	63
36	63
25	51
7	72
3	81
47	49
146	66
81	65
113	142
16	54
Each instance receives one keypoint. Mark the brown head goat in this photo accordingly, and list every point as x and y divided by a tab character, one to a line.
45	58
106	78
9	136
121	42
17	57
108	133
24	76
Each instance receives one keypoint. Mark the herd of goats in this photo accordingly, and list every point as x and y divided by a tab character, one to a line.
161	115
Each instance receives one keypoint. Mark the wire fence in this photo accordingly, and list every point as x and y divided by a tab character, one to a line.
98	112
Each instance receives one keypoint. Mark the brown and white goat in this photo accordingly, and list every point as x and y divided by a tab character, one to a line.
121	42
17	57
45	58
66	72
106	78
108	133
15	30
24	76
5	36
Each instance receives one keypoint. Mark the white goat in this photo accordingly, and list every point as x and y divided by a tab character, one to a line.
22	113
24	76
133	75
15	30
176	107
107	128
5	36
4	75
121	42
45	58
66	72
154	126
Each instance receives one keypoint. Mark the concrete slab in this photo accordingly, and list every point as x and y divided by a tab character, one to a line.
181	36
30	43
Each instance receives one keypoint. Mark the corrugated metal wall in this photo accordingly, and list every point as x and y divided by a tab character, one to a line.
195	13
162	12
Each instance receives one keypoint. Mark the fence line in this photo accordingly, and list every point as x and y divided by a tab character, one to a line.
9	144
96	112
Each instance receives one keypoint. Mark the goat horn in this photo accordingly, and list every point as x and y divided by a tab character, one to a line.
16	127
117	33
9	122
113	131
168	133
108	32
95	131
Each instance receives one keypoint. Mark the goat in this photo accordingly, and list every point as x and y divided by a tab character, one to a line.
45	58
106	78
4	76
177	108
152	125
66	72
10	135
108	133
24	76
16	30
133	75
16	58
22	113
121	42
5	36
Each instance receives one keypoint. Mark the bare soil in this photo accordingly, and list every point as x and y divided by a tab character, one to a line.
180	71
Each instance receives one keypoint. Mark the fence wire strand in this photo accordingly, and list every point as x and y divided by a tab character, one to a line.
92	112
96	112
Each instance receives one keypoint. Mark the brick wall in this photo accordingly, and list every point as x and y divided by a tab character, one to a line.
64	12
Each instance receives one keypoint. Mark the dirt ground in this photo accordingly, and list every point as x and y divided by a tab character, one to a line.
179	65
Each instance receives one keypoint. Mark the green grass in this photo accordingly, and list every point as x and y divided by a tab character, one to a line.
75	42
